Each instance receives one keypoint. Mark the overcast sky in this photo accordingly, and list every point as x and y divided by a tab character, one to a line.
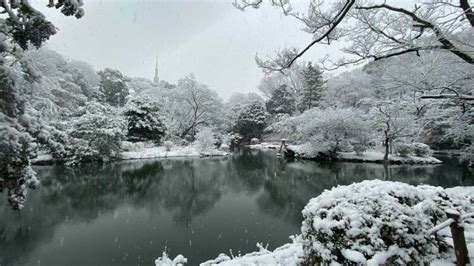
211	39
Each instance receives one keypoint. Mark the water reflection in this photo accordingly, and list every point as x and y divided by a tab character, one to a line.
127	212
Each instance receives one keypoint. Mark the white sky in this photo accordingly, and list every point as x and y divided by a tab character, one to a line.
209	38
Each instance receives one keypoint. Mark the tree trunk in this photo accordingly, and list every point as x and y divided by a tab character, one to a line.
387	149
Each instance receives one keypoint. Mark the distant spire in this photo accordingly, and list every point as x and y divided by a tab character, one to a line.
156	79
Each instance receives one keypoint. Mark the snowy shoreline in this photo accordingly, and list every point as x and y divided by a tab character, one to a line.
155	152
366	157
175	152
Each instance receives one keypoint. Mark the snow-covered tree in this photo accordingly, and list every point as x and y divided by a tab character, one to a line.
192	104
313	84
113	87
394	122
250	121
291	77
326	130
21	26
95	131
205	139
144	121
242	98
281	102
377	29
234	103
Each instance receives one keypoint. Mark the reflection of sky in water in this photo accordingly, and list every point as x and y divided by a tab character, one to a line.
128	212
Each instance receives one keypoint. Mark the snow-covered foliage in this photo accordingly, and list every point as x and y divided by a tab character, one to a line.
378	222
403	149
144	120
313	86
190	105
250	120
289	254
365	30
282	101
96	132
21	26
113	87
330	129
205	139
168	145
152	151
164	260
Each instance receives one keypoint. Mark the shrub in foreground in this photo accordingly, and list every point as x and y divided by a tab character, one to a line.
378	222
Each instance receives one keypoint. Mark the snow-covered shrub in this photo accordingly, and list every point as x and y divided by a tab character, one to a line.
226	141
168	145
403	149
378	222
421	149
359	148
236	140
254	141
345	146
188	138
205	140
127	146
164	260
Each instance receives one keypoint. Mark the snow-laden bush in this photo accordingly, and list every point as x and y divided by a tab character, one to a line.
168	145
421	149
205	140
359	148
378	222
403	149
254	141
164	260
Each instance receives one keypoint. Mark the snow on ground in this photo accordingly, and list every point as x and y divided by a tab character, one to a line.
375	156
307	151
42	158
266	146
287	254
177	151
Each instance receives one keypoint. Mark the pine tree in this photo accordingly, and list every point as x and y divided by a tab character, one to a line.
281	102
113	87
144	122
313	85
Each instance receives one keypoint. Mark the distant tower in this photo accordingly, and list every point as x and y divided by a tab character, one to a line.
156	79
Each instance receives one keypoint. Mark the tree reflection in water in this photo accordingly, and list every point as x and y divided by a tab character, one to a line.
188	189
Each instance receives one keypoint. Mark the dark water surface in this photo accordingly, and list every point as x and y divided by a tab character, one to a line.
127	213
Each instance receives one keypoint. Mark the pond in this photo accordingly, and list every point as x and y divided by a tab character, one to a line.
127	213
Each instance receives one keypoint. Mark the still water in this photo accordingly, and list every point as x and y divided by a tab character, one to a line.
127	213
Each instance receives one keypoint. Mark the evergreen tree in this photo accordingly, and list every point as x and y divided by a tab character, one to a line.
113	87
281	102
144	122
313	84
250	122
